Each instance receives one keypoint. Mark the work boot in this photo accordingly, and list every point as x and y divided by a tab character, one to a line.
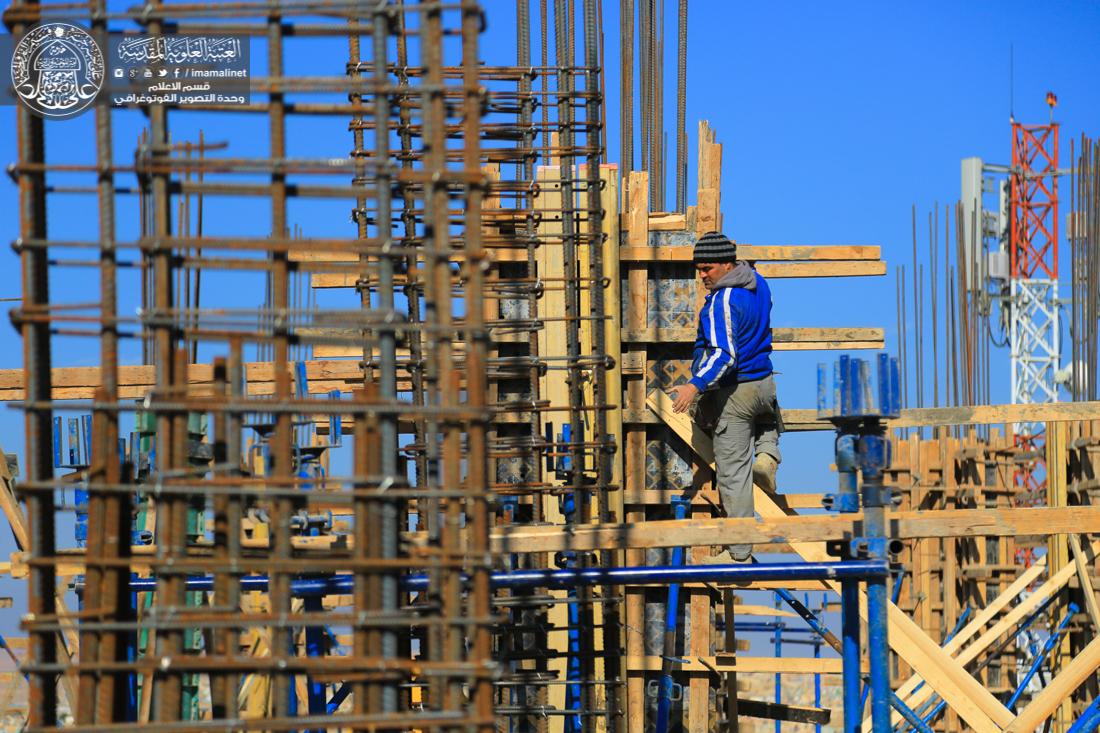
725	558
763	472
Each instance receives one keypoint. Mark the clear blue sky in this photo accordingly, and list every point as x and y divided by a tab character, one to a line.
835	118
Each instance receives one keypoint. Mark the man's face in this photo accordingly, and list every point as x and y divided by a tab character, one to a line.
712	272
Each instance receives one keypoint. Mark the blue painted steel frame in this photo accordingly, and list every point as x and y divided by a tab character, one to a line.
818	626
858	412
643	575
672	613
1048	647
1089	720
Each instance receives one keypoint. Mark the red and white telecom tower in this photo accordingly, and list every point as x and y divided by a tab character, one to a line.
1033	251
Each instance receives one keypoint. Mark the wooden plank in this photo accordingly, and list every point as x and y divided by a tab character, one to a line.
634	455
637	209
135	381
964	694
777	270
666	222
758	253
609	200
951	556
710	157
828	345
1058	690
713	531
552	385
699	686
1087	589
748	609
67	641
782	336
663	497
708	197
780	711
740	663
10	506
493	252
1058	555
1010	620
996	414
803	419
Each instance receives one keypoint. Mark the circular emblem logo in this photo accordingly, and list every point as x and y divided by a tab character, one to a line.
57	69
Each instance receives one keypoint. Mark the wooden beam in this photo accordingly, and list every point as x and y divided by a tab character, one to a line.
1058	552
723	663
552	339
666	222
1087	589
779	270
136	381
783	337
996	414
636	208
1010	620
779	711
714	531
760	255
710	497
803	419
708	197
494	252
67	641
757	253
794	420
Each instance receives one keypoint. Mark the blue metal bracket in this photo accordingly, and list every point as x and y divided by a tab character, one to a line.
859	410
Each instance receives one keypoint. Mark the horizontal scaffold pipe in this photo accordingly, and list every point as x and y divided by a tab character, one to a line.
343	584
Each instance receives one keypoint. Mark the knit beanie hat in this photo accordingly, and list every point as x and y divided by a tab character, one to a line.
714	247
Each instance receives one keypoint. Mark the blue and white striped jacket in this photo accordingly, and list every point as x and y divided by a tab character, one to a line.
734	340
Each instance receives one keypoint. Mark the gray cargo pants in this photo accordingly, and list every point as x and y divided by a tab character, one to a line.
744	420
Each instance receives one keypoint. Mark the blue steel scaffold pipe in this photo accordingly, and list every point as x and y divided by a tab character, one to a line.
1048	647
1035	665
643	575
848	503
874	498
1089	720
1023	626
859	411
672	609
829	637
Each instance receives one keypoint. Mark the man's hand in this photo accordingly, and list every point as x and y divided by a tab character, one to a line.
683	396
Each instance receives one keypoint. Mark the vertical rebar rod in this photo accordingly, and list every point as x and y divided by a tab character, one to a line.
681	108
626	74
477	509
282	468
917	350
387	342
904	336
227	523
366	697
166	698
613	720
933	232
110	600
412	290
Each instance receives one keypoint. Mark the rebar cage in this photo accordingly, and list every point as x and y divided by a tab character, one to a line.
282	516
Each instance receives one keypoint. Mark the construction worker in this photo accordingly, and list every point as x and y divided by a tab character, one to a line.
731	393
